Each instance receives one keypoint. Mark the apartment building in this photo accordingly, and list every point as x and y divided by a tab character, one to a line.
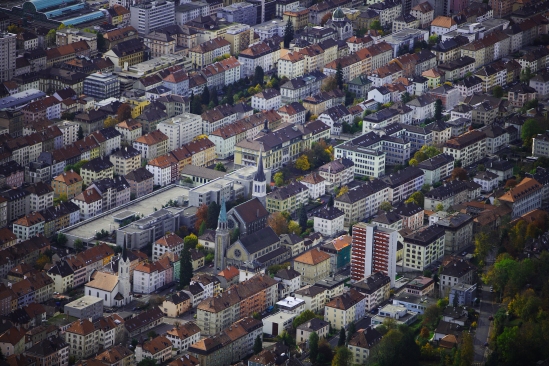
490	48
457	271
376	288
314	265
458	232
345	309
125	160
204	53
181	129
150	15
301	87
152	145
158	349
183	336
241	300
451	193
83	339
362	342
264	54
423	247
467	148
437	168
373	250
524	197
403	183
363	201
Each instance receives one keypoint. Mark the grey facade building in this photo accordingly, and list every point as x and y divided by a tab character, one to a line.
151	15
7	50
244	13
85	307
102	86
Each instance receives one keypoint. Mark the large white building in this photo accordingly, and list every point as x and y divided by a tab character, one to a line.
181	129
151	15
168	243
268	99
524	197
329	221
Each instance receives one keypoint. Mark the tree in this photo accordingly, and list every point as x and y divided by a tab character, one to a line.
214	98
325	354
51	36
294	228
278	223
351	329
341	340
497	91
482	246
467	350
459	173
109	122
190	241
343	357
413	162
220	167
439	207
526	75
339	76
303	218
530	128
259	76
80	133
424	333
430	316
313	346
258	345
405	98
302	163
213	215
205	97
329	84
304	316
342	191
438	109
417	197
196	106
42	261
279	179
78	245
124	112
331	201
147	361
61	239
376	25
288	34
386	206
185	268
201	215
101	42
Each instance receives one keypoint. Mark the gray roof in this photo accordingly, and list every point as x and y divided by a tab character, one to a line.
259	240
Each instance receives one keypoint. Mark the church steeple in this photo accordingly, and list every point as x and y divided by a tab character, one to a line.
260	181
222	238
124	252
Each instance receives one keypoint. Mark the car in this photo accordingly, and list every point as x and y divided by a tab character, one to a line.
491	289
485	344
137	296
211	265
490	318
464	253
134	309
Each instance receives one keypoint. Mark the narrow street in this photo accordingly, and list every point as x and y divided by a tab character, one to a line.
487	308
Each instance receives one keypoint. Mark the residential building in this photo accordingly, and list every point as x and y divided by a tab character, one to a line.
83	339
158	349
467	148
141	182
320	327
458	232
204	53
98	168
183	336
268	99
168	243
437	168
102	86
148	16
287	198
314	265
329	221
423	247
344	309
451	193
524	197
363	201
152	145
455	272
362	342
337	173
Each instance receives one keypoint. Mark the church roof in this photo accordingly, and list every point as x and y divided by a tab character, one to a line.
103	281
338	13
260	175
259	240
223	213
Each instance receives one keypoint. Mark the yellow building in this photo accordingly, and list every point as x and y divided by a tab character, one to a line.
344	309
288	198
68	184
178	304
204	53
299	19
362	342
96	169
313	265
433	77
127	53
239	36
83	339
125	160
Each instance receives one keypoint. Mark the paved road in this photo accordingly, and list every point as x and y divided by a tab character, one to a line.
487	308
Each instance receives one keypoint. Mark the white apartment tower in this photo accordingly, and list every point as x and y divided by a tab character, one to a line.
151	15
181	129
7	56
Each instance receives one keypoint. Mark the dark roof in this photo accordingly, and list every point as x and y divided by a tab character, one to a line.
329	213
357	193
98	164
365	338
313	325
62	269
139	175
251	210
310	291
260	239
372	283
287	273
408	209
436	162
402	176
47	347
457	268
425	236
126	152
143	319
287	191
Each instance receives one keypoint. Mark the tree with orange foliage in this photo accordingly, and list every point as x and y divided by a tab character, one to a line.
201	216
325	19
459	173
278	223
124	112
511	183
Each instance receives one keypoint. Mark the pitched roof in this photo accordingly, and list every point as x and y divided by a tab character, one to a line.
443	22
81	327
313	257
103	281
521	190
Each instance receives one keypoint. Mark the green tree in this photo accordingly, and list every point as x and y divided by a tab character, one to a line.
213	97
526	75
376	25
80	133
530	128
405	97
303	218
386	206
497	91
343	357
61	239
101	42
202	228
417	197
341	340
303	317
279	179
483	244
331	201
205	98
302	163
259	76
147	361
258	345
351	329
190	241
220	167
439	207
213	215
438	109
196	106
397	347
313	346
78	245
288	34
430	316
339	76
185	268
325	354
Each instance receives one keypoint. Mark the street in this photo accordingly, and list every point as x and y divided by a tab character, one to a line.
487	308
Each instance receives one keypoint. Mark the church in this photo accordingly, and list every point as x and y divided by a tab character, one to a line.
341	24
114	290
